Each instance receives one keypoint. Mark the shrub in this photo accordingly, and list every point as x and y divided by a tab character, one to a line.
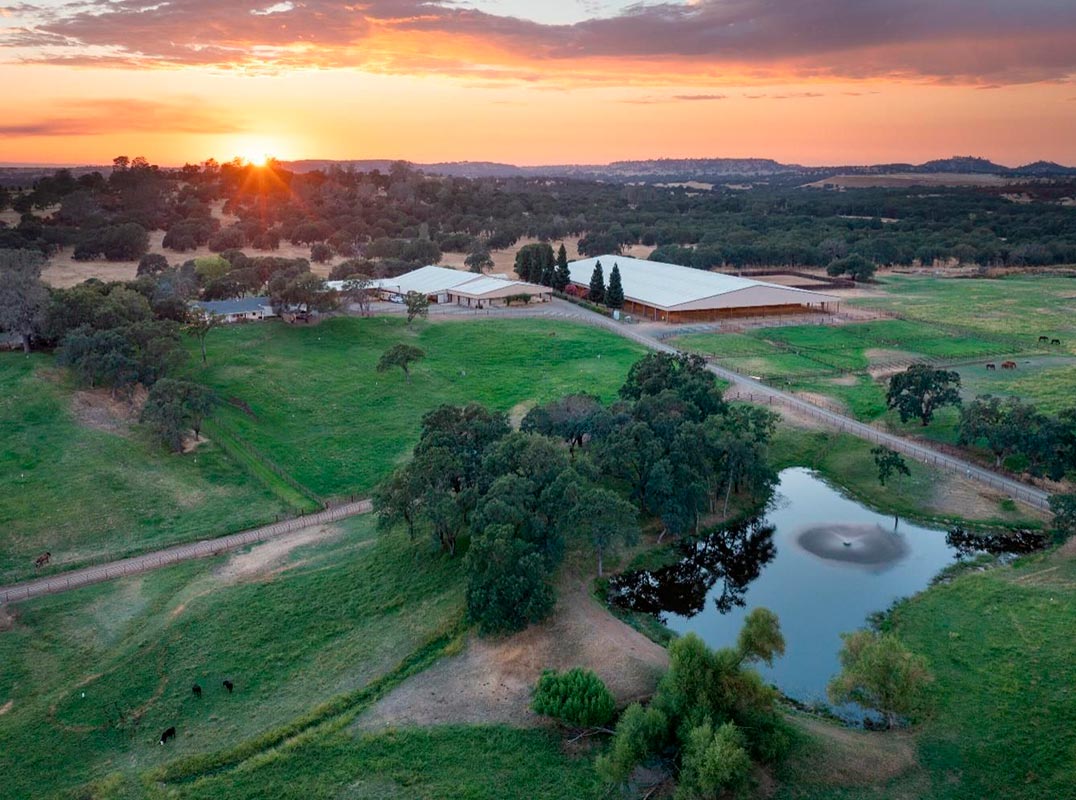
577	697
638	733
507	582
152	264
714	761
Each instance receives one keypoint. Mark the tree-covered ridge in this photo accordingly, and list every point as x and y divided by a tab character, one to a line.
402	216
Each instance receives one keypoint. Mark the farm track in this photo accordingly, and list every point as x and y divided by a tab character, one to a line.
754	391
176	554
763	394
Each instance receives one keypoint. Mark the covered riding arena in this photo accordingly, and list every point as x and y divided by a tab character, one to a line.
671	293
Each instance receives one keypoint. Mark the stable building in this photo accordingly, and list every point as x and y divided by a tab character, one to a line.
445	285
490	292
671	293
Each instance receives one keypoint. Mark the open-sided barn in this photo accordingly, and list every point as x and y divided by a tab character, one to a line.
671	293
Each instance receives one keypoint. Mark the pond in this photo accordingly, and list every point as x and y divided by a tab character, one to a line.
818	559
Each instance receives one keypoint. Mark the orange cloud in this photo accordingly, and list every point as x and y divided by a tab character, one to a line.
710	42
83	117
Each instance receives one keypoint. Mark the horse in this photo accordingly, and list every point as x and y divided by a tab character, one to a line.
229	686
196	690
1008	365
992	366
1056	342
170	733
42	560
1043	339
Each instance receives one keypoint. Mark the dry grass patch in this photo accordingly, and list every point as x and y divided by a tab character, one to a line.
491	680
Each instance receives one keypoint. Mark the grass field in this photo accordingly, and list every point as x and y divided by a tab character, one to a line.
87	494
93	676
326	417
1022	305
838	361
999	644
786	352
464	762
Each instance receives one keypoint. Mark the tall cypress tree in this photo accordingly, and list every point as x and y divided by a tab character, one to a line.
524	263
549	273
614	295
561	276
597	284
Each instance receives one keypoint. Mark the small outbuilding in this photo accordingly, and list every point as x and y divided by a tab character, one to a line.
671	293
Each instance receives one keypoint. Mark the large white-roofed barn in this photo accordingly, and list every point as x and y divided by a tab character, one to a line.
671	293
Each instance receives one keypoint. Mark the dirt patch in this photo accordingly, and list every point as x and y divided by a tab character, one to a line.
905	179
845	380
267	558
846	757
518	412
101	410
957	496
7	619
6	707
192	443
491	681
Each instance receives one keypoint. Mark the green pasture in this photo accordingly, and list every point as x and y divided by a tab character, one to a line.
325	416
88	495
1023	306
1004	701
444	762
93	676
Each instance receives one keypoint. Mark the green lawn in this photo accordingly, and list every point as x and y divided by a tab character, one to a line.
88	495
95	675
326	417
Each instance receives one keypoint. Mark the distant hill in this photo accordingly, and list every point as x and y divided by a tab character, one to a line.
701	169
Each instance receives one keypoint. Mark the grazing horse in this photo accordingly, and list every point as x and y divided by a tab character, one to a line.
1056	342
1043	339
1008	365
196	690
229	686
992	366
42	559
170	733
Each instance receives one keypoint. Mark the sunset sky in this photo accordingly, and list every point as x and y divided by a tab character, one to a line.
538	81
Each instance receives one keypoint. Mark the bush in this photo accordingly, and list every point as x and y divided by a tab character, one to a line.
713	762
507	582
638	733
152	264
577	697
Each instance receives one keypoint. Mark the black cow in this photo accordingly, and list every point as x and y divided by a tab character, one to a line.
196	690
1043	339
1056	342
170	733
229	686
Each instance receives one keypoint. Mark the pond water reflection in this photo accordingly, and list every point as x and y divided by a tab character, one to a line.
820	560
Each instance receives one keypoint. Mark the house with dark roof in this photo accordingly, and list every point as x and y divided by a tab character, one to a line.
243	309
